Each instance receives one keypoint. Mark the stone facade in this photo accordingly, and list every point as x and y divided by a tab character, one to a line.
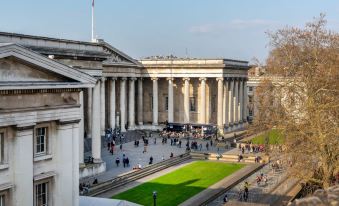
40	122
127	93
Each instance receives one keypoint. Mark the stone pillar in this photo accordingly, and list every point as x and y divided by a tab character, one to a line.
241	100
203	101
96	137
170	100
186	100
131	107
231	102
220	103
102	107
75	161
123	104
155	101
22	167
89	112
245	110
81	129
140	102
112	102
236	101
226	100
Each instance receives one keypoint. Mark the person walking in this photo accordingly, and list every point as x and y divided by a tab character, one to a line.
151	160
117	161
207	146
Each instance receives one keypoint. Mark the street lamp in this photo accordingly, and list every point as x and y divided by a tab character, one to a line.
154	198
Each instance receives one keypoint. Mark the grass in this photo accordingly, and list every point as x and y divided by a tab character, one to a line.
274	138
181	184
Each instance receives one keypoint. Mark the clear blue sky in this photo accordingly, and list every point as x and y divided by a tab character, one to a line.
207	28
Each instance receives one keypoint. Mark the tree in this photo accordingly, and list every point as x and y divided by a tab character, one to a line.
300	97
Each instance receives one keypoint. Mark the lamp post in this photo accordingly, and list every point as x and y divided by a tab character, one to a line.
154	198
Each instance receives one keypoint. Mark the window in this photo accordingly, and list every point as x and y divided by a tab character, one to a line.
250	89
250	113
41	141
166	103
2	200
192	104
250	99
41	194
213	103
2	149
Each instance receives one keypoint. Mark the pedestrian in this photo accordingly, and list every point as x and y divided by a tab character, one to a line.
120	146
207	145
211	142
155	140
151	160
127	162
145	148
225	198
117	161
171	155
200	146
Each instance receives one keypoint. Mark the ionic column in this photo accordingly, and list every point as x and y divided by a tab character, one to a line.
203	101
81	129
112	102
170	100
140	102
245	112
241	100
220	103
131	114
231	102
89	112
123	104
96	137
155	101
186	100
102	107
236	101
226	100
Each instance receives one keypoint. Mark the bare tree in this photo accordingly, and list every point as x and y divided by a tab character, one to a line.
300	97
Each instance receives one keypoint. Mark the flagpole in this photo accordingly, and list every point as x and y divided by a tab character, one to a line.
93	21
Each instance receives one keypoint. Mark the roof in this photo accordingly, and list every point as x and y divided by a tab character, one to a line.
65	47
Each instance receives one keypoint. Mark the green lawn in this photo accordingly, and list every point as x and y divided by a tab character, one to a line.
181	184
274	138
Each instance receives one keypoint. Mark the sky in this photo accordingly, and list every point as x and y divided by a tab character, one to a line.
233	29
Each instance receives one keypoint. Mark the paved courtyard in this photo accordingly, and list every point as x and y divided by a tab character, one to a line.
136	155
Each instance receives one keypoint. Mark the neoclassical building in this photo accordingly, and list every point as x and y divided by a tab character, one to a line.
41	116
143	94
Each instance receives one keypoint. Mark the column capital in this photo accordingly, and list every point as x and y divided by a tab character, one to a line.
186	79
220	79
154	78
123	78
202	79
114	78
103	79
132	78
140	78
170	79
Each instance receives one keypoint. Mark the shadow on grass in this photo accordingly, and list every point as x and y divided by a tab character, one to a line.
167	194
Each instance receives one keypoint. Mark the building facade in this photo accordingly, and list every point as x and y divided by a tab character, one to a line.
40	121
144	94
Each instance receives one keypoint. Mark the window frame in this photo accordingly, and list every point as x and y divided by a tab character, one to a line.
5	195
46	141
194	104
3	148
47	191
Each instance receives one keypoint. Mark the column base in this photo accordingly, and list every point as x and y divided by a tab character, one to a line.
92	169
140	123
132	127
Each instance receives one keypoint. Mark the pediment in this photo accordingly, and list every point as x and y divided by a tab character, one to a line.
118	57
18	64
15	70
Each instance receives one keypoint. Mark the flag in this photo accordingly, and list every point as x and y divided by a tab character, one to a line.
93	3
